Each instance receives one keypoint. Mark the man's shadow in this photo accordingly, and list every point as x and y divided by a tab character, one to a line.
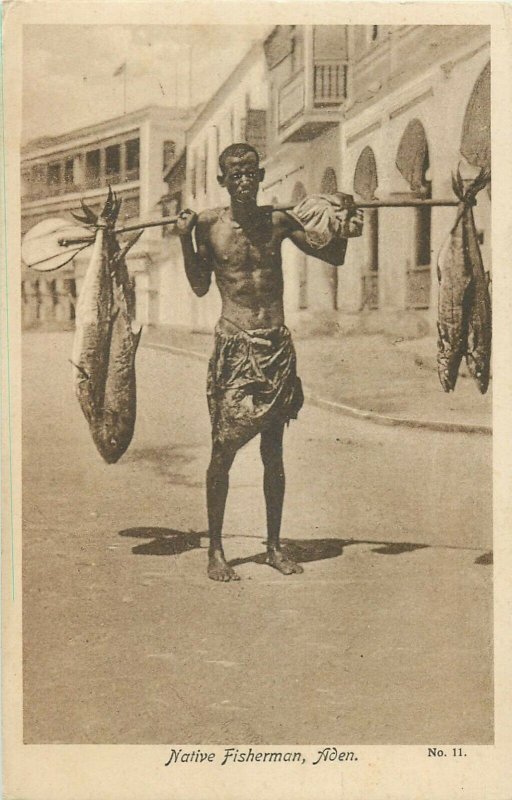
304	550
164	541
172	542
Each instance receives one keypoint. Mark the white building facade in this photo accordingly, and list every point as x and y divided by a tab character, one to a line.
418	99
236	112
129	153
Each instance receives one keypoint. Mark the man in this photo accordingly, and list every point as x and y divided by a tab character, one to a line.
253	387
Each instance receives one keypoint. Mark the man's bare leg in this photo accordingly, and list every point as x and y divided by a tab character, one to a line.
271	449
217	485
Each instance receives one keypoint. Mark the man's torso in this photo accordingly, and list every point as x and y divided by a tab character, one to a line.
248	267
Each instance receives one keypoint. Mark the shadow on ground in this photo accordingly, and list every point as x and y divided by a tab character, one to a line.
164	541
304	550
172	542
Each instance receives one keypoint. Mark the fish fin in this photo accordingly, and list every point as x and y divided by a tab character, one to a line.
111	207
89	214
117	207
460	182
81	370
136	337
456	186
80	218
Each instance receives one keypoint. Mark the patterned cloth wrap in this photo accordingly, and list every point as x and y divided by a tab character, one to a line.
319	216
252	382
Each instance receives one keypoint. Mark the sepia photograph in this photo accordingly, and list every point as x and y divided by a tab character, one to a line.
253	296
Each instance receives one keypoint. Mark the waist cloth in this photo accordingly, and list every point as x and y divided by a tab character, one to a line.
252	382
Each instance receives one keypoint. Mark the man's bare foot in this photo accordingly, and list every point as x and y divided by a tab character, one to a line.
284	565
219	569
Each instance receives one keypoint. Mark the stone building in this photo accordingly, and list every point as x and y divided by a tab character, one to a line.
308	72
377	111
418	106
130	153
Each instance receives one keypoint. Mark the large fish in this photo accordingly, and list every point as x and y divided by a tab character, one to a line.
464	327
106	338
478	351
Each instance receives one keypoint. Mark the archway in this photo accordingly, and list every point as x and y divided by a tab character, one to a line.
329	183
365	185
476	129
413	162
299	192
412	158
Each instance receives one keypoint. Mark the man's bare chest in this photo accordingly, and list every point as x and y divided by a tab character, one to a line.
245	248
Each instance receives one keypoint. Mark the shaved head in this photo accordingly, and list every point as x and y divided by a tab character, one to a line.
237	150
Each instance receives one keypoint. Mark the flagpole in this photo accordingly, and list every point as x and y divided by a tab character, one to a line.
189	75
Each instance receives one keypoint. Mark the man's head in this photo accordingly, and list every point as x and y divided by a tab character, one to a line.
240	170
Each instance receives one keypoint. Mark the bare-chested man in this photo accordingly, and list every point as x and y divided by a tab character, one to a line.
253	386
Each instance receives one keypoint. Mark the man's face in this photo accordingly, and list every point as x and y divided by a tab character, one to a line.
242	177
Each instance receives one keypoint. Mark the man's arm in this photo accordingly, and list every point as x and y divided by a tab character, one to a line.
351	220
333	253
198	265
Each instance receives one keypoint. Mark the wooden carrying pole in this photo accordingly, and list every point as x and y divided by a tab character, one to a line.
365	204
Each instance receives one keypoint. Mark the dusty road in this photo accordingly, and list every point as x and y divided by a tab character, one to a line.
385	638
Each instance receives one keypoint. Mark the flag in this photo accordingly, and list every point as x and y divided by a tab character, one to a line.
120	70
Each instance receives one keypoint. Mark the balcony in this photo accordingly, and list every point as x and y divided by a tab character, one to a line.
40	192
309	102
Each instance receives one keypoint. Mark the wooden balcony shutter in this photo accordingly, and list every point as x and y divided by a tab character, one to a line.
278	45
256	130
330	42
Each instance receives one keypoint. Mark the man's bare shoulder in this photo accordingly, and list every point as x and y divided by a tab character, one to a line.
283	221
209	216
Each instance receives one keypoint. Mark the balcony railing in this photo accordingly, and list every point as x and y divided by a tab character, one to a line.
93	182
326	90
329	83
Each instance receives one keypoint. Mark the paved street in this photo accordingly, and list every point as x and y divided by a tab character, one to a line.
385	638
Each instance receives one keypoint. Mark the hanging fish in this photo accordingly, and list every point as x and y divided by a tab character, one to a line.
478	350
106	338
464	326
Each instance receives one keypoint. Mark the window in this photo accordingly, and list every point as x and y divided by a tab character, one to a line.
68	171
132	159
92	166
169	151
205	168
38	173
374	32
113	161
217	144
54	173
193	176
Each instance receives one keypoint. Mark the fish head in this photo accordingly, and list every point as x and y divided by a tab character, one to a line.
112	436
